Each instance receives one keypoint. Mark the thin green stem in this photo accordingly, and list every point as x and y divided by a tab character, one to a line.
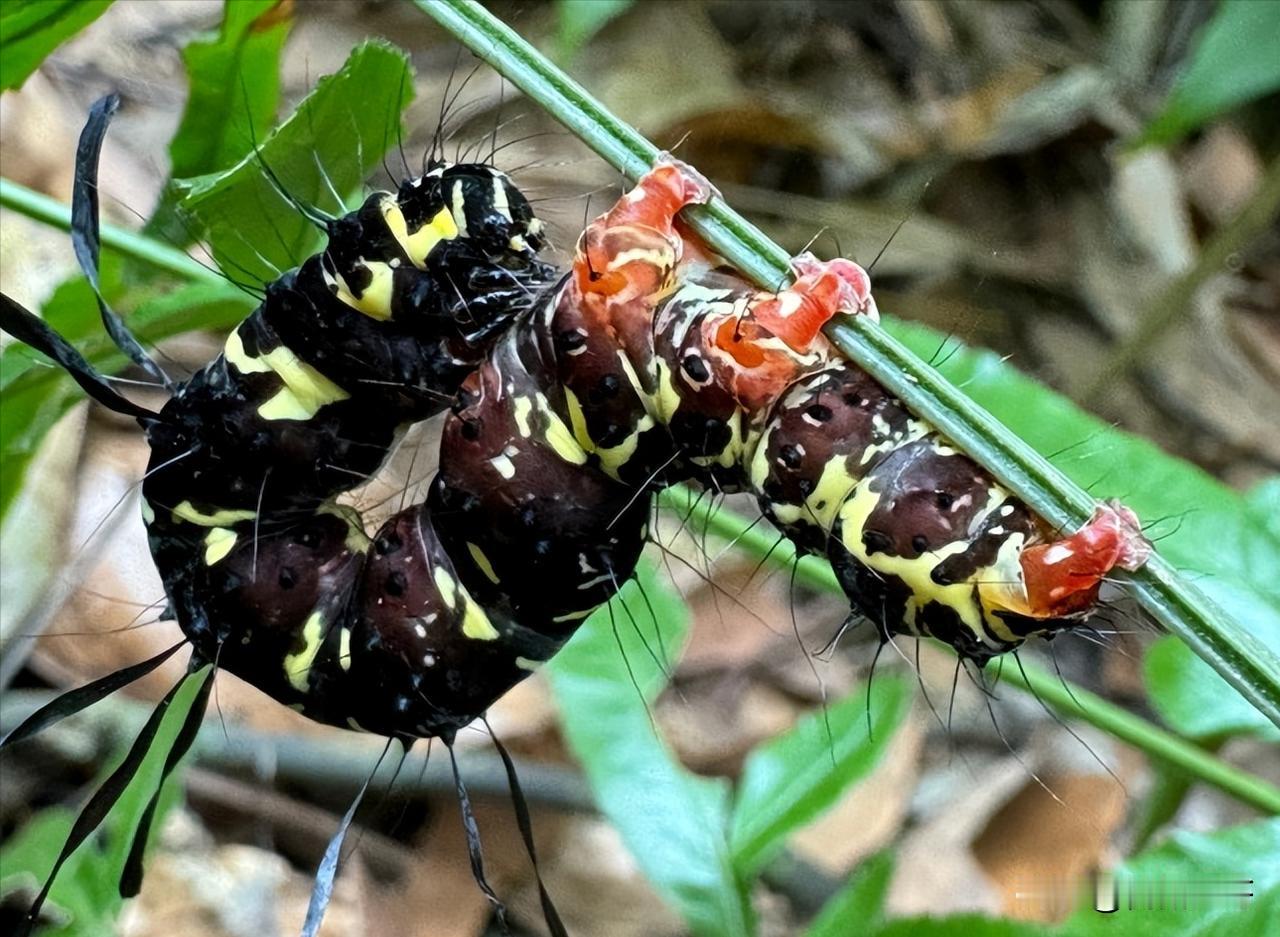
1067	699
754	540
1242	660
129	243
1075	702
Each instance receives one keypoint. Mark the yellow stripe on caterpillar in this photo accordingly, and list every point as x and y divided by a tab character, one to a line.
218	542
915	572
375	299
417	245
186	511
306	390
297	666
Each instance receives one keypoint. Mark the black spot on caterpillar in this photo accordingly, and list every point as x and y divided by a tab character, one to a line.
651	364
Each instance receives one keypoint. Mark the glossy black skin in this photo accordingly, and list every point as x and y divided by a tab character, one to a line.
211	448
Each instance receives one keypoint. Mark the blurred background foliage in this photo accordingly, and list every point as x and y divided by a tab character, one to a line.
1088	189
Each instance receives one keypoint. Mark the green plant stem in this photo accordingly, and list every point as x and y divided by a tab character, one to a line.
756	541
1070	701
1173	302
1242	660
140	247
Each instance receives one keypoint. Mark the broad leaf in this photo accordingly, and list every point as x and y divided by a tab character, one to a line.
253	214
674	823
959	925
31	29
579	20
233	77
1192	875
860	904
791	779
1235	60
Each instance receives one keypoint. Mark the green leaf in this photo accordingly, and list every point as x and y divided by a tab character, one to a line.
1188	694
331	143
36	394
1234	61
31	29
1264	501
578	20
673	822
1207	860
85	899
860	904
790	780
1259	917
235	85
960	925
234	81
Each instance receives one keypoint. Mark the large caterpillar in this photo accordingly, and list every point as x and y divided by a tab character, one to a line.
650	363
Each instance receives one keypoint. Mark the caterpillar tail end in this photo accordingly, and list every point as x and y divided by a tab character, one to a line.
1062	577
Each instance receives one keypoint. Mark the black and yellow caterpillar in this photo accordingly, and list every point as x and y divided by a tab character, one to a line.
572	400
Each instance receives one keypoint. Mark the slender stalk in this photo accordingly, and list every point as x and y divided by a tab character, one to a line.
1070	701
140	247
754	540
1242	660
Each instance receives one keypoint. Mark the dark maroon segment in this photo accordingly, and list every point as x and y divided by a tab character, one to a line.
414	669
539	537
837	414
927	498
249	610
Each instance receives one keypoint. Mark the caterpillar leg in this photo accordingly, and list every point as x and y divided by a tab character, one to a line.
631	250
823	288
1061	578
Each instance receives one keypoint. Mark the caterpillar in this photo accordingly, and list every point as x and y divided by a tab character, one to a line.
571	401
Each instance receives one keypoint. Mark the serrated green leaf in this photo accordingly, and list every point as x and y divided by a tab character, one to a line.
1234	61
860	904
234	76
31	29
234	81
331	143
791	779
673	822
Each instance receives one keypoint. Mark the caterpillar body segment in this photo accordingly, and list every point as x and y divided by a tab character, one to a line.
261	567
667	367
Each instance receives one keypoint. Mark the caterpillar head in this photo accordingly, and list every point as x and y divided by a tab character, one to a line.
487	208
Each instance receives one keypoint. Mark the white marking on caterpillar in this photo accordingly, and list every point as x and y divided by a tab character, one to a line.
504	466
1056	554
